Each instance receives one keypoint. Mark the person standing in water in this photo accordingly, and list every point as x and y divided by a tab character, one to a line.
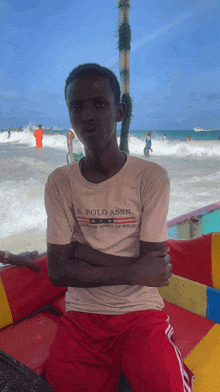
73	157
148	144
39	136
70	137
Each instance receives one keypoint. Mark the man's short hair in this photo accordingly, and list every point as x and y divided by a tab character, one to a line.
93	69
40	126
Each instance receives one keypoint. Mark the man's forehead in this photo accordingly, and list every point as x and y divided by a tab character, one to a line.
86	86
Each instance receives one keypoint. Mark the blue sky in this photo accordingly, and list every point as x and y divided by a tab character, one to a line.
175	59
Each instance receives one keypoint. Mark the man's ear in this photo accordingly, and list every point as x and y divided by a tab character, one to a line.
120	112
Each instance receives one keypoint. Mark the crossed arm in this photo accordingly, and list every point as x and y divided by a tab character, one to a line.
77	265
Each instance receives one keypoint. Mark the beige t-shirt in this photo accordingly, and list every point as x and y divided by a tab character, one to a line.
111	217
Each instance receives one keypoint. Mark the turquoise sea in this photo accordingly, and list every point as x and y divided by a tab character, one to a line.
177	135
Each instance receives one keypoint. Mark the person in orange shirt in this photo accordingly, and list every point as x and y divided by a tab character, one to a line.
39	136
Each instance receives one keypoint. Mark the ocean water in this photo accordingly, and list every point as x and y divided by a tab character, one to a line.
193	168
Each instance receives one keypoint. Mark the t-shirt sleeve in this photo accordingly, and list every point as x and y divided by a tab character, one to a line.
155	202
60	216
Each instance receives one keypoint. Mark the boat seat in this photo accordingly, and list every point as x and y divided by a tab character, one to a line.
59	304
197	259
29	340
24	291
189	328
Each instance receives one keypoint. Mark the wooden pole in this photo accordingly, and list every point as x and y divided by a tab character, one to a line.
124	46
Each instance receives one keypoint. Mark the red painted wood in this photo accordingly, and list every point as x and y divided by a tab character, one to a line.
28	291
189	328
59	304
29	341
192	259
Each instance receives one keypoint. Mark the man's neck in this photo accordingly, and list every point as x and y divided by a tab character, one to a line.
98	167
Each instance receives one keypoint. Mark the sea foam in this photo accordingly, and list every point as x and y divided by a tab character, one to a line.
160	147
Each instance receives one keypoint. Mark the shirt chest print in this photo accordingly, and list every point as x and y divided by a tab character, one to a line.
96	218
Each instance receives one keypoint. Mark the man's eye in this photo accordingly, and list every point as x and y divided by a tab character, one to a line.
75	108
100	104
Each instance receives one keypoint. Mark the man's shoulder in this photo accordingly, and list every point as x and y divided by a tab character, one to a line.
62	174
145	167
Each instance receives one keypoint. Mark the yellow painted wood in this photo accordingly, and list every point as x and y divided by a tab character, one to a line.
204	360
187	294
5	311
215	252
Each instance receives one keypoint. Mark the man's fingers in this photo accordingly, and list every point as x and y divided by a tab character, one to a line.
167	259
36	268
159	253
34	255
170	266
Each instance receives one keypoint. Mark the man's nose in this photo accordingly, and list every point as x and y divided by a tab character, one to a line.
88	113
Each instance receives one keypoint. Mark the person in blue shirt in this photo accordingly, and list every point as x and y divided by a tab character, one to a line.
148	144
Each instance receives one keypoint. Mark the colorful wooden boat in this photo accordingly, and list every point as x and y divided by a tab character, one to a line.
31	305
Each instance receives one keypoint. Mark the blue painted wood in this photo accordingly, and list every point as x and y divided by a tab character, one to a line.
213	304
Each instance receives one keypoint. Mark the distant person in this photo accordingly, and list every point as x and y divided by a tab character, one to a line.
9	134
39	136
23	259
70	137
219	138
72	157
165	137
188	139
148	144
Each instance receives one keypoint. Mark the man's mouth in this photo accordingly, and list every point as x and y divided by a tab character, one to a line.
89	131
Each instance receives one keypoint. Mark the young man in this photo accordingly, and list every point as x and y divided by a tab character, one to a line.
107	242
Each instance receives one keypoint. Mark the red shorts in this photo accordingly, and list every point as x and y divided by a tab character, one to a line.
90	352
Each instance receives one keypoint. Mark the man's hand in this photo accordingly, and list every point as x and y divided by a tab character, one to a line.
153	269
27	259
24	259
29	256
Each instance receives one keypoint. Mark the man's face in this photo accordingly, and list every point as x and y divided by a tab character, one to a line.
92	111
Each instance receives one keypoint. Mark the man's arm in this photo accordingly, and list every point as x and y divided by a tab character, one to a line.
150	269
